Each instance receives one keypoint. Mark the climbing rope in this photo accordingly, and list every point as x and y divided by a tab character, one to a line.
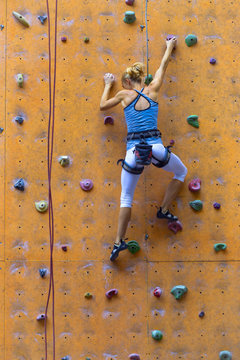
49	156
146	34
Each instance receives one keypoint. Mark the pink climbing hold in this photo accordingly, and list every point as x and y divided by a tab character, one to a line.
63	38
86	184
41	317
175	226
194	185
134	357
157	292
129	2
110	293
108	120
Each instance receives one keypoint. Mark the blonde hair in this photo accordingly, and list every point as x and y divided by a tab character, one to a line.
134	72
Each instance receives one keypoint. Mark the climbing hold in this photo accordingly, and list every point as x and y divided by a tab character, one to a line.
2	27
64	39
178	291
129	17
157	292
194	185
172	142
190	40
134	357
20	18
133	246
19	119
42	18
108	120
86	39
212	61
142	27
129	2
220	246
64	160
110	293
193	120
196	204
42	272
146	236
216	205
88	295
65	358
41	317
157	335
148	79
41	206
225	355
169	37
1	130
87	358
175	226
64	248
86	184
19	184
20	80
201	314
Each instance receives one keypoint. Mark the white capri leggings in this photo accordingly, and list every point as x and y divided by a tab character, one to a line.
129	181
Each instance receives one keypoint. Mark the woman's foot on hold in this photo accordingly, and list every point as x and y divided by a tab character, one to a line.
117	248
165	214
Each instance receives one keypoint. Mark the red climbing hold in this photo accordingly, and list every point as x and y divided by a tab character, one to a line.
41	317
86	184
194	185
129	2
110	293
175	226
134	357
157	292
108	120
63	38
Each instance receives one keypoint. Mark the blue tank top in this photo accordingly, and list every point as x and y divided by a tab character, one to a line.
141	120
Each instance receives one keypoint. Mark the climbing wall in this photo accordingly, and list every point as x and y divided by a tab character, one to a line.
85	222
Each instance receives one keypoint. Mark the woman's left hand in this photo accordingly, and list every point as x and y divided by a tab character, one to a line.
109	79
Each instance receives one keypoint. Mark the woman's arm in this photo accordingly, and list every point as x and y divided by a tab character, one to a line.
105	103
158	78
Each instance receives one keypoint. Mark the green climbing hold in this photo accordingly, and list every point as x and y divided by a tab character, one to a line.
220	246
196	204
21	18
190	40
225	355
87	358
178	291
41	206
157	335
129	17
20	80
148	79
133	246
88	295
193	120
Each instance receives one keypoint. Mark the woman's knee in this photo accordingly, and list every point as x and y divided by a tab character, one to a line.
126	199
180	175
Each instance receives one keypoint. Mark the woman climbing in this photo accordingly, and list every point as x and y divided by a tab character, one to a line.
141	114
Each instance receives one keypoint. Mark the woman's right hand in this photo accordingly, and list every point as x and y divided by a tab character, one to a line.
171	43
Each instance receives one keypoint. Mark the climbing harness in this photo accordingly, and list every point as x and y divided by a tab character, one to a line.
143	153
132	170
143	134
165	161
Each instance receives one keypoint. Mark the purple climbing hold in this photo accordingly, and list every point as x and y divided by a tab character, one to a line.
194	185
157	292
201	314
175	226
64	39
169	37
212	61
41	317
129	2
108	120
134	357
110	293
86	184
64	248
172	142
216	205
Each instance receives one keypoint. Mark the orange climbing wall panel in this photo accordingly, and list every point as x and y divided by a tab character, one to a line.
86	222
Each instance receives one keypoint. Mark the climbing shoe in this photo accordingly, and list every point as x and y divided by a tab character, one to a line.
117	248
167	215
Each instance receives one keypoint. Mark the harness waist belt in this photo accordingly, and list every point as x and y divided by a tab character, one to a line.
143	134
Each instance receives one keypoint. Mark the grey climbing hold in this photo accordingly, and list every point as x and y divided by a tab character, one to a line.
148	79
134	357
86	184
20	80
108	120
193	120
212	61
19	119
220	246
178	291
216	205
190	40
42	18
64	160
2	27
19	184
157	335
41	206
1	130
142	27
20	18
42	272
130	17
225	355
41	317
201	314
196	205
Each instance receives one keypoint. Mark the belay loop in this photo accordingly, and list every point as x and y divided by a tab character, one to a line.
143	153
